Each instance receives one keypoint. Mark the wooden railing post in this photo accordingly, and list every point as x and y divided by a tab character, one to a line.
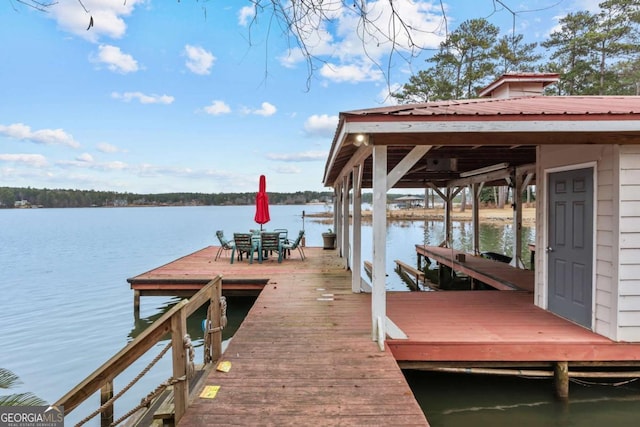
216	320
179	356
106	393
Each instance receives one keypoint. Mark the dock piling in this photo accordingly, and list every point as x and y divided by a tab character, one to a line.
561	380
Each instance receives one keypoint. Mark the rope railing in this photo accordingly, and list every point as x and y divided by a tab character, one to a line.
183	354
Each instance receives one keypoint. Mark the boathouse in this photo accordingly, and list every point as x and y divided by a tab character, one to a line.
582	153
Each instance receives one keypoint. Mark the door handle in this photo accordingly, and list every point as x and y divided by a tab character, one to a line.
549	249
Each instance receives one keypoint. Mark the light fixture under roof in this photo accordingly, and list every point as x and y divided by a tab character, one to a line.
361	139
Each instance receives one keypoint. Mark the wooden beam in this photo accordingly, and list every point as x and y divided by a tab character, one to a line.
406	164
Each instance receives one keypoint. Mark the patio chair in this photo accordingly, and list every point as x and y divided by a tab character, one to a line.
296	244
284	233
269	242
244	244
225	245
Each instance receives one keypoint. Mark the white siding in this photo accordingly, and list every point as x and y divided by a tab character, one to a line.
629	260
606	245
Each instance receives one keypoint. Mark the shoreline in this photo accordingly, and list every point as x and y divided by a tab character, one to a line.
437	214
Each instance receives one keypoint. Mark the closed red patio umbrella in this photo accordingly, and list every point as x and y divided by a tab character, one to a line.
262	203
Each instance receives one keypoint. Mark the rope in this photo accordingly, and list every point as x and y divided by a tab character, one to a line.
149	398
602	383
223	312
191	354
127	387
146	401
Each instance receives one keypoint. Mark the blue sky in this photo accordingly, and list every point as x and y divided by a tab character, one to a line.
168	96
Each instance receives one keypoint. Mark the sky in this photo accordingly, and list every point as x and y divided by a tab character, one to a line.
202	96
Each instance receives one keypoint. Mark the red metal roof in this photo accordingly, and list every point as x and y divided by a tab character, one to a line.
536	105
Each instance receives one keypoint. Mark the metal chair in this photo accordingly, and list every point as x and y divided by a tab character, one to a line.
296	244
225	245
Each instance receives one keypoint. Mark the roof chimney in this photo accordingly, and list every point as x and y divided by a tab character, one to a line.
519	85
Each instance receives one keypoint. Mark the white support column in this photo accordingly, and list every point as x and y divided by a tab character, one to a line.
336	211
344	240
378	297
338	215
356	248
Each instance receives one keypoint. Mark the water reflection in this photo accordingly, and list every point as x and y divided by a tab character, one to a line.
493	237
478	400
403	235
237	309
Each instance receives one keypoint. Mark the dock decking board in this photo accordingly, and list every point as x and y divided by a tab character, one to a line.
298	359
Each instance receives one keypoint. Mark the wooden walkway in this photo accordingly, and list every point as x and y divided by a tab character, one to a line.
304	353
496	274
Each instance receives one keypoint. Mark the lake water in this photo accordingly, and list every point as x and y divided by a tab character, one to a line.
67	307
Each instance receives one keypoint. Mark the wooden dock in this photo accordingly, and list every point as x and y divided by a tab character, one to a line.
499	275
303	355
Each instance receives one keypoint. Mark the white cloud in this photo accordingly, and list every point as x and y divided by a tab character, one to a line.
23	132
266	110
85	157
344	40
384	96
321	125
115	60
105	147
245	15
353	73
86	161
217	107
117	165
199	60
288	169
304	156
107	17
143	98
36	160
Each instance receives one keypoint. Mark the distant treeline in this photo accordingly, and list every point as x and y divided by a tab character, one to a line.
11	197
15	197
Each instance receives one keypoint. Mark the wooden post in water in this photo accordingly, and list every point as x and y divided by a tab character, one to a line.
136	304
179	357
561	380
106	393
